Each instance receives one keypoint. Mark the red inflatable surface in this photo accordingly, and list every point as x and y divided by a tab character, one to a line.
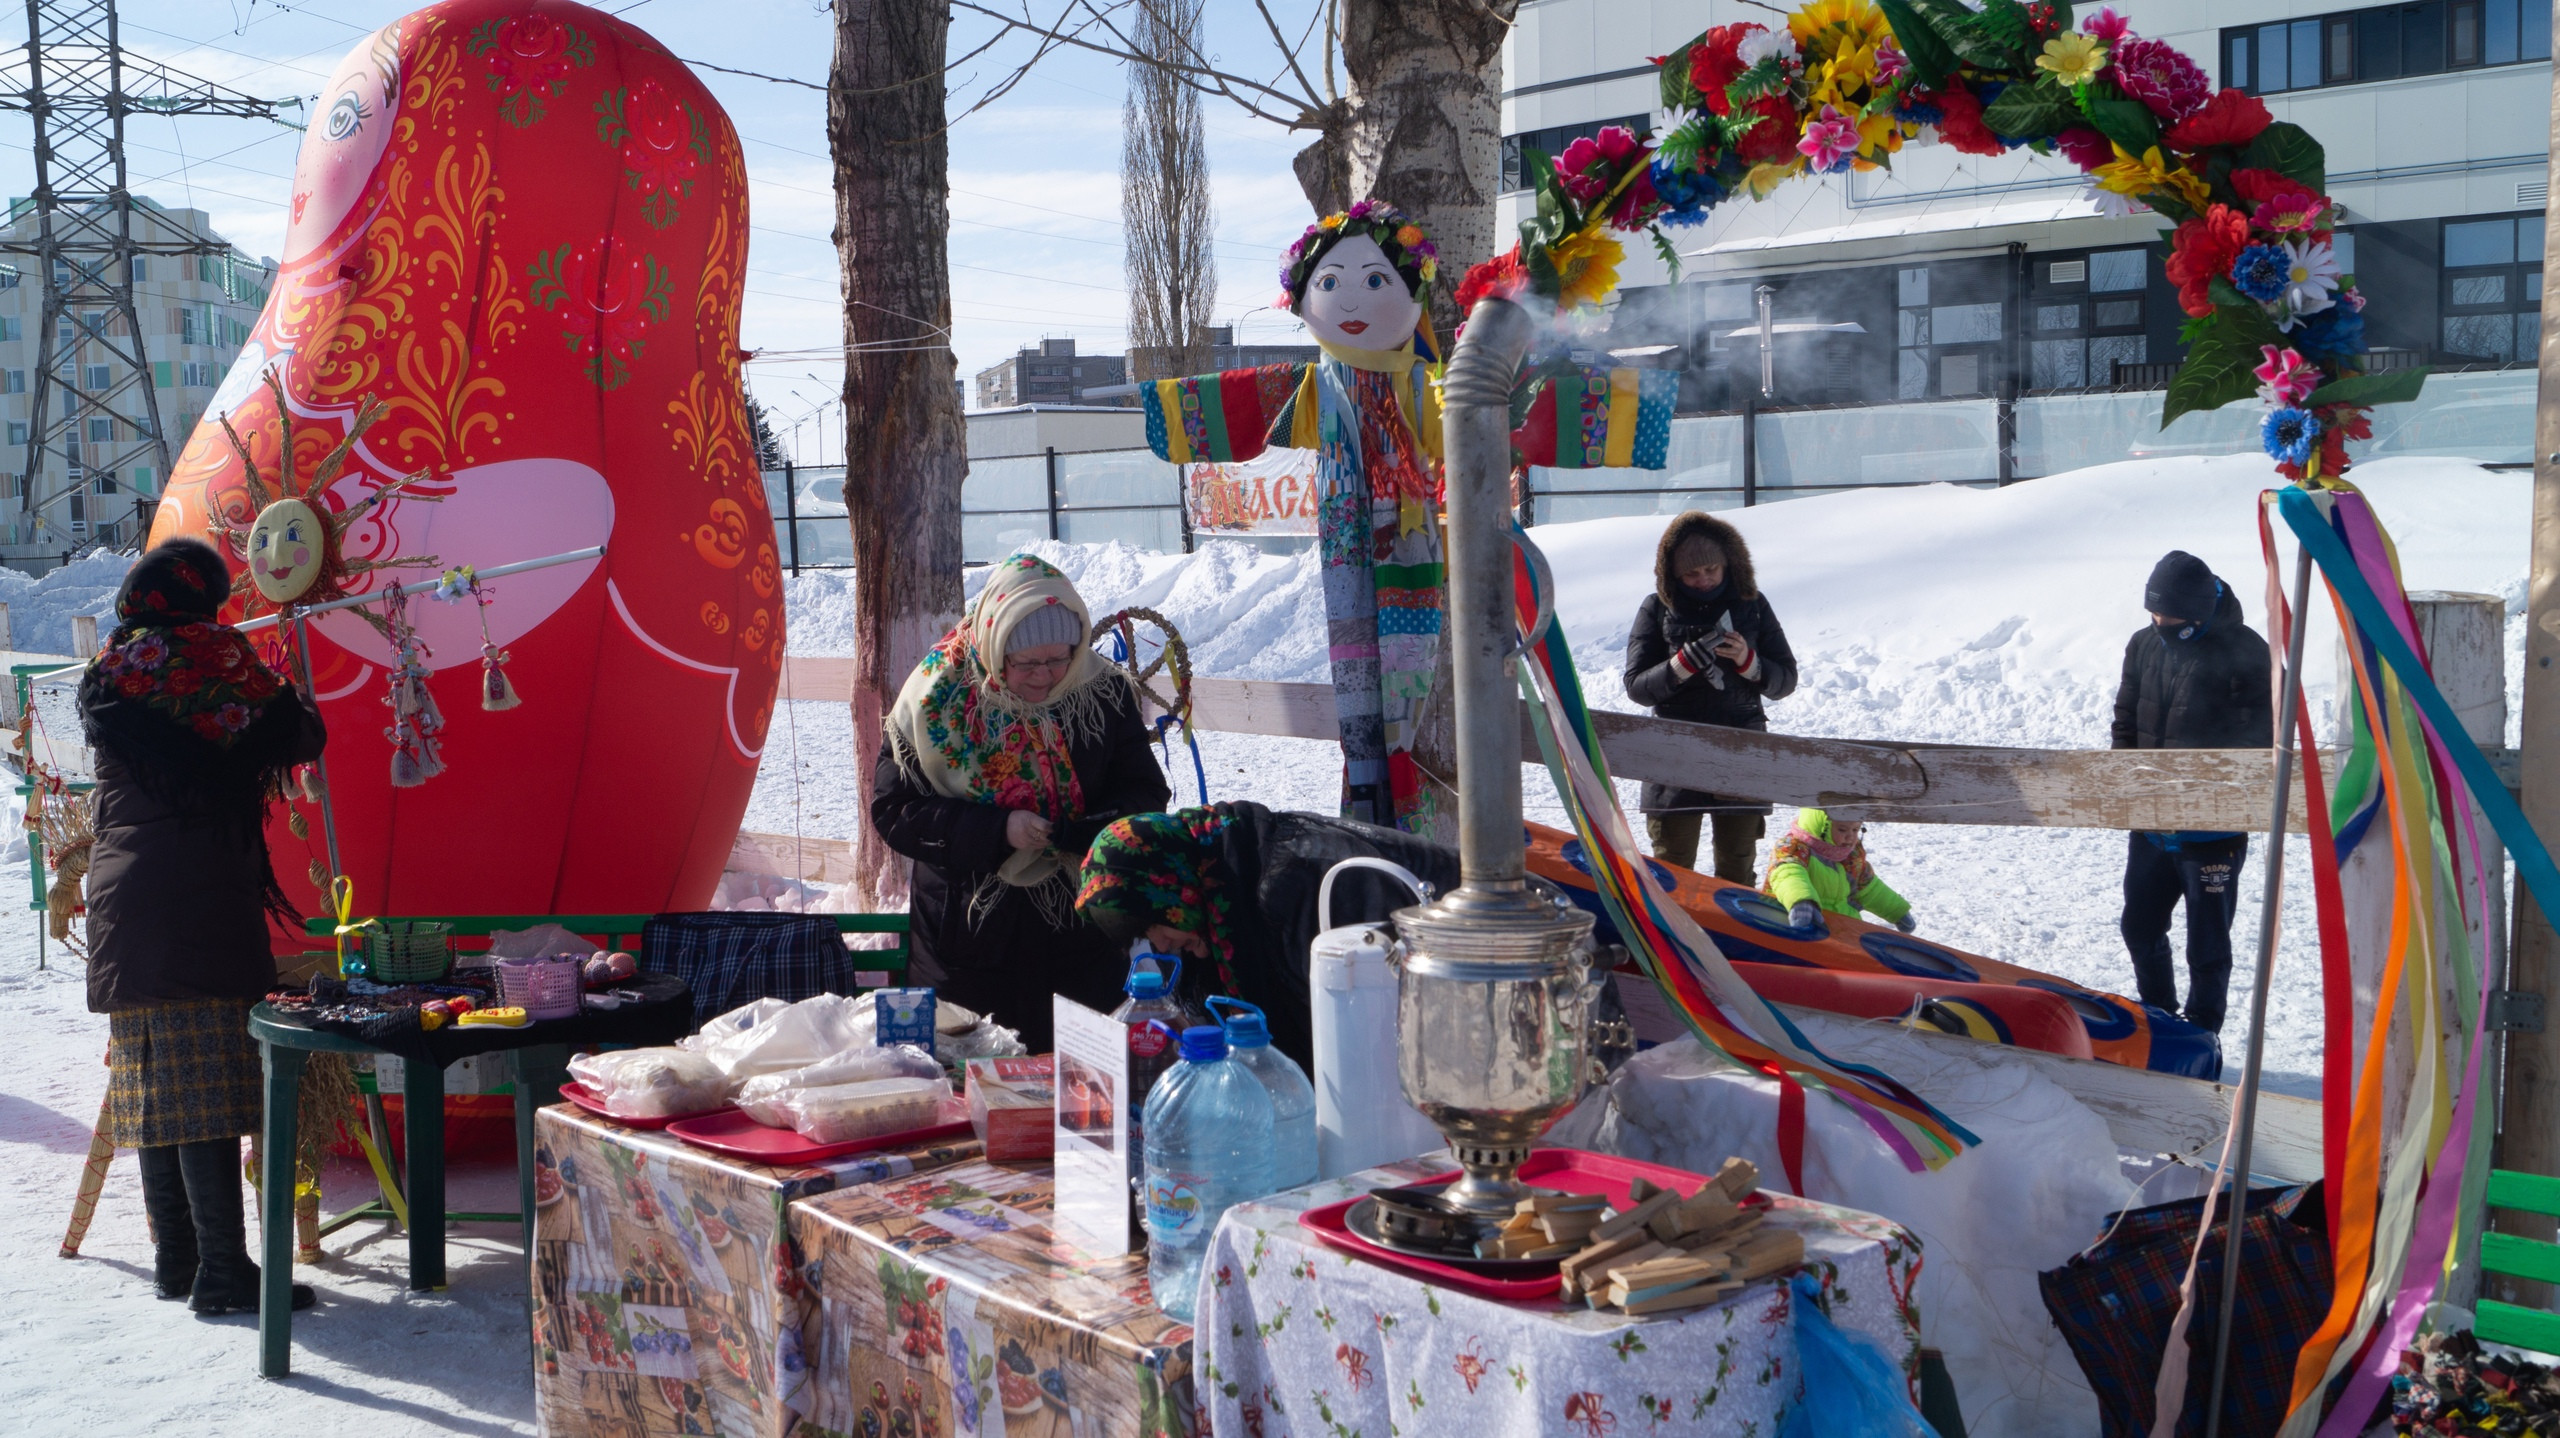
521	225
1881	971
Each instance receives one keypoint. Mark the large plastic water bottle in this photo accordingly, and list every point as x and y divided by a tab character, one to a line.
1154	1012
1209	1131
1293	1099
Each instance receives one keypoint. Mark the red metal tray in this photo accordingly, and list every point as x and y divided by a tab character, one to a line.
738	1136
585	1098
1566	1170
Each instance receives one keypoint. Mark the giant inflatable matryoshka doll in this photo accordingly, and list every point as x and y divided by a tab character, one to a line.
519	227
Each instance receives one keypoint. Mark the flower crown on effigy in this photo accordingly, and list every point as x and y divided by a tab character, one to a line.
1406	246
1848	82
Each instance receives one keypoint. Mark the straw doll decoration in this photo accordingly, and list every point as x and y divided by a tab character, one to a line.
293	549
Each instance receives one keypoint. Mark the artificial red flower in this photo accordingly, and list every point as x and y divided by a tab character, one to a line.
2259	186
1499	278
2202	251
1961	124
2231	117
1773	140
1592	163
2085	147
1715	63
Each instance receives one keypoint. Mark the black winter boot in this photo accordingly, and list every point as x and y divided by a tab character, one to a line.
173	1227
226	1280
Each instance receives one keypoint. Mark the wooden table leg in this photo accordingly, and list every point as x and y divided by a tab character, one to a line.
275	1204
422	1095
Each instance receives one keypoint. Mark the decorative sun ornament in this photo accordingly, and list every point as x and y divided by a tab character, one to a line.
294	548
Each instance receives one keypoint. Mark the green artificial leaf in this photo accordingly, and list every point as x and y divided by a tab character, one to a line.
2129	123
2250	325
1677	92
1932	61
2188	333
2219	369
2397	386
1670	254
1961	29
2289	150
2227	294
2031	108
2005	21
2169	204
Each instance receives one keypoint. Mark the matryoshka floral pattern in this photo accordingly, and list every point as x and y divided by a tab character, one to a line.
1297	1339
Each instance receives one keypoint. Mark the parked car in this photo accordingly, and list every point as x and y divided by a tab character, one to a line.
2492	429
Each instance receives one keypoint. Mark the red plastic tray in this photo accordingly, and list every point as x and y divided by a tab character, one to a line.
585	1098
1566	1170
738	1136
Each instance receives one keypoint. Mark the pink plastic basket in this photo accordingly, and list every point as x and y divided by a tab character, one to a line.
543	988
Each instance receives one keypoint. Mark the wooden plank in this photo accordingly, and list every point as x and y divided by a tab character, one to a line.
2160	1113
2523	1192
2523	1327
788	856
2520	1257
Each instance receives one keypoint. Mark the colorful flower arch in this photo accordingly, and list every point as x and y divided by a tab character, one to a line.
1848	83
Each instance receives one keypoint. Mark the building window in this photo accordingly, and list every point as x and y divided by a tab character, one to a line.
2492	289
17	431
105	483
2384	42
8	278
2088	317
101	431
1551	141
13	381
93	377
141	269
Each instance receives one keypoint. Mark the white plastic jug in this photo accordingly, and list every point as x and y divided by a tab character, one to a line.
1362	1119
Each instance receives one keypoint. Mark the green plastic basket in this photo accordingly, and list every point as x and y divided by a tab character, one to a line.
408	951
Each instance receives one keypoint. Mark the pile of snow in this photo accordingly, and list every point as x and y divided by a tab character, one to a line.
40	610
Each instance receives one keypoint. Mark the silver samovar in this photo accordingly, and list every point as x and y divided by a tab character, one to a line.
1496	979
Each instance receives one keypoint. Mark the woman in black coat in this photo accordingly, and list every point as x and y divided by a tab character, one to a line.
193	737
1706	647
1009	749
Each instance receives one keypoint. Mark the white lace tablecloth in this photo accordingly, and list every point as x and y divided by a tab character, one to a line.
1298	1339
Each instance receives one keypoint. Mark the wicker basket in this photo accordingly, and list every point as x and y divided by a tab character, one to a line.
407	951
543	988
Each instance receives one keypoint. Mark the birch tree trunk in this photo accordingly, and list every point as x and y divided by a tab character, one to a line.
1420	126
905	451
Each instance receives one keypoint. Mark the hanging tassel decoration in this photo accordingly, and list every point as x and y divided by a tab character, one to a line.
416	756
497	691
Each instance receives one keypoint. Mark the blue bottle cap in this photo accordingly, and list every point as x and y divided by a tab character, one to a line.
1246	1027
1205	1044
1144	984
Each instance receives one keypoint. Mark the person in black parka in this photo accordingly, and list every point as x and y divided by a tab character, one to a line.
1009	749
2195	677
1706	647
193	737
1234	885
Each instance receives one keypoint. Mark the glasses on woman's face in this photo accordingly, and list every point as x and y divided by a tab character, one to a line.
1015	664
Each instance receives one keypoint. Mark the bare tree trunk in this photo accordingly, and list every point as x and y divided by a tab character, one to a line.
1164	200
905	451
1420	127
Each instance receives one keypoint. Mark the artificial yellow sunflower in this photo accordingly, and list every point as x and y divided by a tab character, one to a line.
1827	28
2151	174
1845	80
1764	179
2075	59
1587	264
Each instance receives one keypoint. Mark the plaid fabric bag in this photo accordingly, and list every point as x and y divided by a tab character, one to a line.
2114	1305
731	959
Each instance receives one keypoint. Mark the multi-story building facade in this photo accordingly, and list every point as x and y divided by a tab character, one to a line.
1225	354
1996	286
1052	374
196	311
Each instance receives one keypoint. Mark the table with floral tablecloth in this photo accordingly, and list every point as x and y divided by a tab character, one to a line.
1296	1338
667	1296
950	1309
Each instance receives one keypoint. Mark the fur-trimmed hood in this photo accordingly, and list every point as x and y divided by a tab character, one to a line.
1737	556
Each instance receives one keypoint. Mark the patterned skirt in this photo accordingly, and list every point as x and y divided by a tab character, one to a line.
182	1072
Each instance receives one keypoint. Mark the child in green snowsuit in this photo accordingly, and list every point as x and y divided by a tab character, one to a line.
1821	865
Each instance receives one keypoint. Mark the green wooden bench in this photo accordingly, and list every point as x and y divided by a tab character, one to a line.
2517	1257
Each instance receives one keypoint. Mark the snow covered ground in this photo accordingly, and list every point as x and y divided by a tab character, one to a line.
1931	614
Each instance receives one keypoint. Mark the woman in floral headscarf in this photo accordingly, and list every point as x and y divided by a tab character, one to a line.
1234	886
1009	749
194	736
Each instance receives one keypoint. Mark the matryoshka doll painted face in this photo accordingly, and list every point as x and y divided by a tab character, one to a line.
1355	298
350	126
287	547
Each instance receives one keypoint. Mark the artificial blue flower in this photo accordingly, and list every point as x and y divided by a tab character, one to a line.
1686	194
2261	272
2289	434
1919	112
2335	331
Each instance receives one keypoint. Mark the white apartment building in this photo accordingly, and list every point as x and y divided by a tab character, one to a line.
196	311
2004	328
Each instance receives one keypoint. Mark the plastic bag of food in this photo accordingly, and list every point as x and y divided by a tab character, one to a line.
964	1034
765	1098
874	1108
652	1082
769	1036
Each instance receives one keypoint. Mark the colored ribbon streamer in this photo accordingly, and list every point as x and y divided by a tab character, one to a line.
342	898
1683	961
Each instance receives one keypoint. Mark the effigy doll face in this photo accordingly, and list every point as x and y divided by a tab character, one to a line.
1356	299
286	550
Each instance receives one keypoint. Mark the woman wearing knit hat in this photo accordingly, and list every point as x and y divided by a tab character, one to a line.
1706	647
1010	747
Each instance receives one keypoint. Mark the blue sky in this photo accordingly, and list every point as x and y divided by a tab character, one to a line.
1035	243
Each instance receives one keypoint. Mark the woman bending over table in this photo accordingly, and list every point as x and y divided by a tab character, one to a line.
1009	749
